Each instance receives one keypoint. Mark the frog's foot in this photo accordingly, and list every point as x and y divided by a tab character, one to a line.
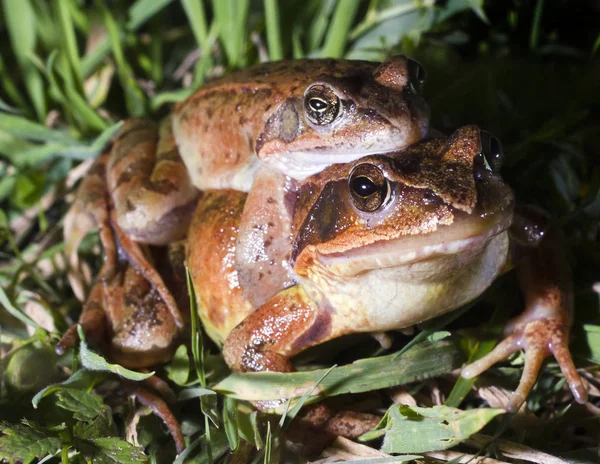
161	409
540	339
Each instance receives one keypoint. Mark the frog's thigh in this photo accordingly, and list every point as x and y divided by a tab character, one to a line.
143	330
284	326
149	183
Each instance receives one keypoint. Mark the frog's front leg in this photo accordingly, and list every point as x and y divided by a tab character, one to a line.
544	327
285	325
149	184
264	241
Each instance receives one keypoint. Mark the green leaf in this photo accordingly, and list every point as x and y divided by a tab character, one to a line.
31	366
410	429
591	334
422	361
21	444
197	20
304	398
142	10
11	90
94	362
13	311
196	392
110	450
463	386
79	379
85	405
179	370
101	426
230	423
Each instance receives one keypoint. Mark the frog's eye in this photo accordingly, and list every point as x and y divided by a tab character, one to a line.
492	152
416	76
369	188
321	105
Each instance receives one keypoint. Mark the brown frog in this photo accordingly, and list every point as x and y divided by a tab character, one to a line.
384	243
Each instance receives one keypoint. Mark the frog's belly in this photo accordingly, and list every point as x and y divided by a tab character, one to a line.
398	297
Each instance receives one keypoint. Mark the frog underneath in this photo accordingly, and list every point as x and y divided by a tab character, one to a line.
384	243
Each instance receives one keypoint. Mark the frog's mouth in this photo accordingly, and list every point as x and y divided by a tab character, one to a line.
454	245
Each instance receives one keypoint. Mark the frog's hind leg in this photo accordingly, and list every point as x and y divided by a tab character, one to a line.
92	321
161	409
149	184
544	327
89	212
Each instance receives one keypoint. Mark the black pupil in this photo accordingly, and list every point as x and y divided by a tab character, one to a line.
317	104
363	186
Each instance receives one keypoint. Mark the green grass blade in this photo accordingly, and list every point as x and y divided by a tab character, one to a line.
142	10
11	89
231	17
423	361
21	127
196	15
91	61
47	33
338	33
273	32
69	41
85	112
37	154
21	24
374	17
135	100
534	36
318	26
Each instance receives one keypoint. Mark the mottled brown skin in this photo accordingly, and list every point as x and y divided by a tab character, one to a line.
261	111
144	185
442	193
212	262
544	328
